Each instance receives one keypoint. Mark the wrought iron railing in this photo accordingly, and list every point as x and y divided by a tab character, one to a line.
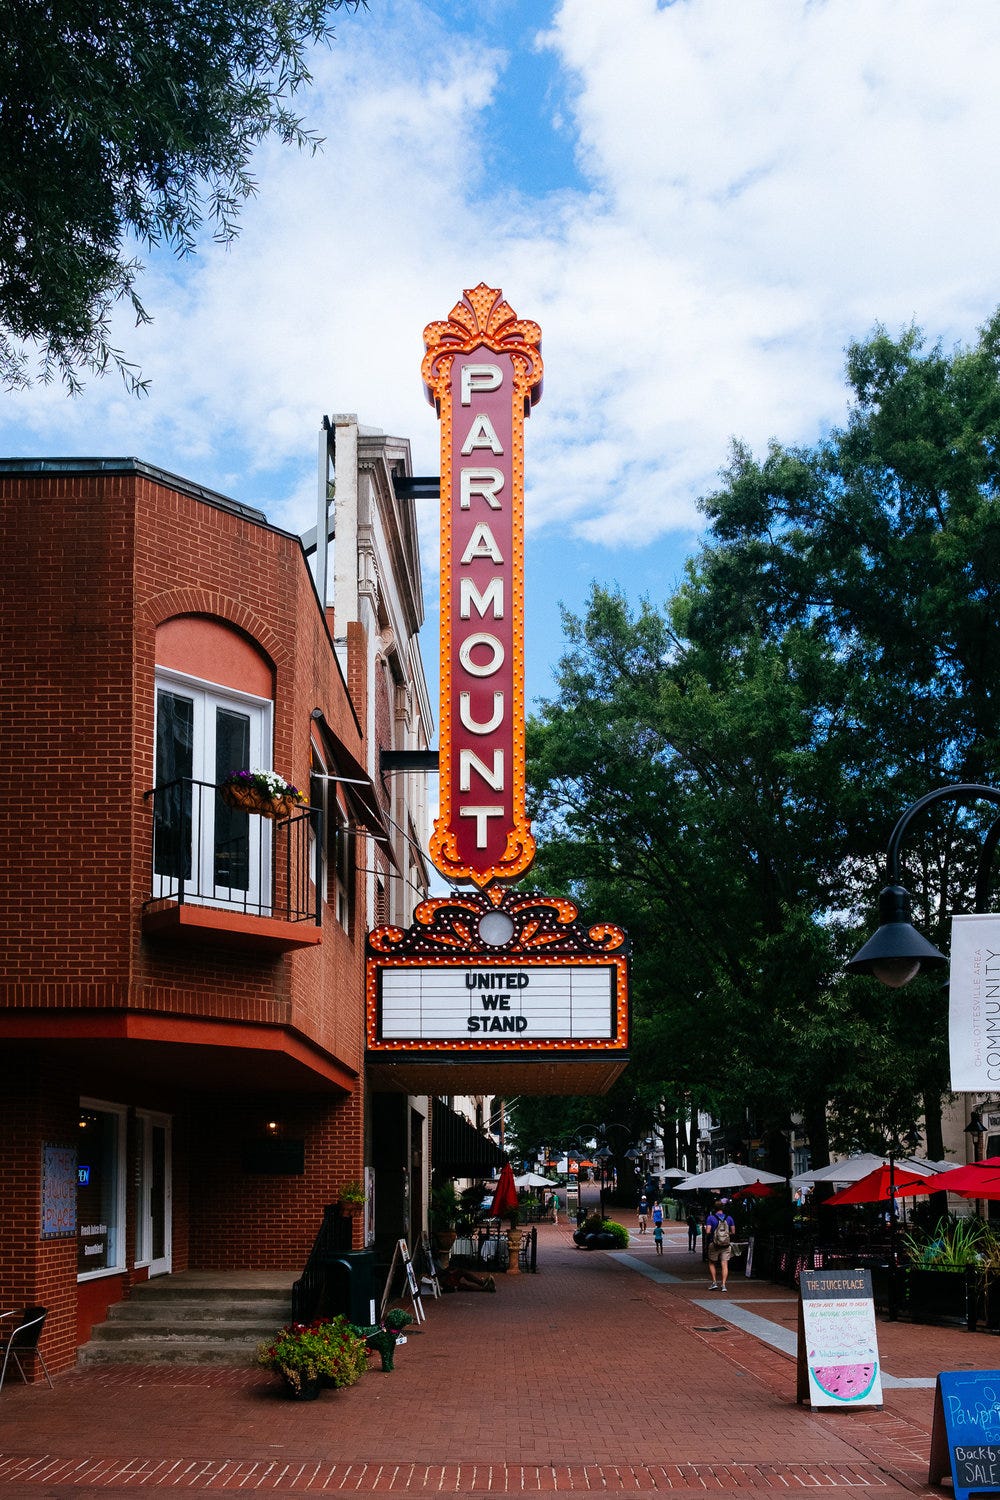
333	1238
207	852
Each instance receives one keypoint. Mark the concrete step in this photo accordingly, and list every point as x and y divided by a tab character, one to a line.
179	1288
177	1310
170	1351
194	1318
206	1330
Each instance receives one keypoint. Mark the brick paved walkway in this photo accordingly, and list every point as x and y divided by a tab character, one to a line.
595	1374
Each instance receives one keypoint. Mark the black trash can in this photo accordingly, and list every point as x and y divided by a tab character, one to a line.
349	1286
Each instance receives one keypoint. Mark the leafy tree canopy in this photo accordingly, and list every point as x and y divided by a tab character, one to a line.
721	774
128	119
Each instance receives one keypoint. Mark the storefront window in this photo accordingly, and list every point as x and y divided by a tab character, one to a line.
100	1199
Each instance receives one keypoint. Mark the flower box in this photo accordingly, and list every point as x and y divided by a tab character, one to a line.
262	792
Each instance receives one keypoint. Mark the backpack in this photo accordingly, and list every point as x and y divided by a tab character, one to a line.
720	1234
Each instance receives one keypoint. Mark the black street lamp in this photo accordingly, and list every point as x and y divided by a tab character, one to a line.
977	1133
897	952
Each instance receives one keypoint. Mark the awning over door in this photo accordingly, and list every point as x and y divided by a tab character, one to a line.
458	1149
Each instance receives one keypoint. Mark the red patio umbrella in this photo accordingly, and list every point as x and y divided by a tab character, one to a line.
505	1199
875	1188
755	1190
978	1180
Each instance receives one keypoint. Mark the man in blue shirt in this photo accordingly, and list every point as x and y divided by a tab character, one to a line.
720	1231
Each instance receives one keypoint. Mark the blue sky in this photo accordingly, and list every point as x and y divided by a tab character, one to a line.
701	202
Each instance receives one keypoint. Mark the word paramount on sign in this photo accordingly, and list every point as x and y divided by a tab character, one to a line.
483	371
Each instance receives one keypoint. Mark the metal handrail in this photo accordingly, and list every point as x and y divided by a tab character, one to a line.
307	1292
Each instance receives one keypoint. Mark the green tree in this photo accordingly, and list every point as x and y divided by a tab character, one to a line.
121	118
721	774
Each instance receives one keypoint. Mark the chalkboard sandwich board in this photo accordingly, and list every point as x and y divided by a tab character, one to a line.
965	1437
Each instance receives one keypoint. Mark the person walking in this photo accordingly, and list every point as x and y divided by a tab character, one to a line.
658	1215
643	1214
658	1237
555	1205
694	1229
720	1231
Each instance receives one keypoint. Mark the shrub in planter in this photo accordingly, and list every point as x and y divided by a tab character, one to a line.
596	1233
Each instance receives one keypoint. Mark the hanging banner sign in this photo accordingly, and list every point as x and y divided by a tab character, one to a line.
483	372
974	1004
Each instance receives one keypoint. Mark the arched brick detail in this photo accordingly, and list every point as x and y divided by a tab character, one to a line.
203	602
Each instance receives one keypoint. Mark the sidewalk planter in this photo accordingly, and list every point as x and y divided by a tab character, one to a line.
940	1295
308	1356
304	1390
596	1233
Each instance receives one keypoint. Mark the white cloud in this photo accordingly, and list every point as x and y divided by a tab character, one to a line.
762	182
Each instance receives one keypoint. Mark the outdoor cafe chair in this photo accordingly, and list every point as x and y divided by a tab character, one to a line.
23	1339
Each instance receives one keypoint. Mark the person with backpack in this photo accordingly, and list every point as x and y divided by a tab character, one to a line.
720	1231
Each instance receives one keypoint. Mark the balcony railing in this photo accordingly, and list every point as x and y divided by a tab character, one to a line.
207	853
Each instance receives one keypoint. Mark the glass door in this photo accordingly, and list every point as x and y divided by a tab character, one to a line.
220	854
153	1208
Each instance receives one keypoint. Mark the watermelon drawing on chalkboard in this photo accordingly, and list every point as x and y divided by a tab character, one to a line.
845	1382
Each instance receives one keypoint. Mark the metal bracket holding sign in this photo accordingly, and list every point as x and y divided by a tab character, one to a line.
965	1436
837	1357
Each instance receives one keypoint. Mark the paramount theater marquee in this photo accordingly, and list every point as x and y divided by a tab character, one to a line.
490	990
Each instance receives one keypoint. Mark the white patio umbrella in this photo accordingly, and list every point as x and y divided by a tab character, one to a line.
732	1174
534	1179
530	1180
674	1174
853	1168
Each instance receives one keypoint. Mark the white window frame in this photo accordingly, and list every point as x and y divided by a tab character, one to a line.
105	1107
207	695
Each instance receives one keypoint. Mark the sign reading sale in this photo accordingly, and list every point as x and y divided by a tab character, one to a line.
483	371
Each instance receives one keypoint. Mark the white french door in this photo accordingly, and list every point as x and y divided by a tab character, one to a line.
220	854
153	1238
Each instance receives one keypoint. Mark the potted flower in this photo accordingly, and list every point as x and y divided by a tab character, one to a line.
351	1198
308	1356
262	792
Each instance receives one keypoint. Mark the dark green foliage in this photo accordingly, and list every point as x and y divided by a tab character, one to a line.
721	775
124	118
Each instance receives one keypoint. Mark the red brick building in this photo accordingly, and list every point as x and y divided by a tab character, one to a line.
181	1015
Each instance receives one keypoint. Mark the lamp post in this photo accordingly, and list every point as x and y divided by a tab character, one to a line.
603	1153
977	1131
898	952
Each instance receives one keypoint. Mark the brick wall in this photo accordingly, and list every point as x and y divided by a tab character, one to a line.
93	565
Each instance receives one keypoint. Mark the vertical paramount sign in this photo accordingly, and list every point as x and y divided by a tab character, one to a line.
496	988
483	372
